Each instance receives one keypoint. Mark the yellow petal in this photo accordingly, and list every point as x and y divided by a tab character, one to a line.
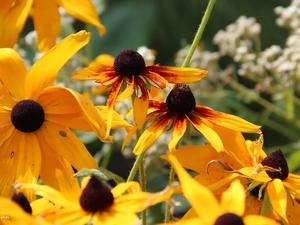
130	186
111	102
258	220
233	199
103	60
151	134
140	108
178	75
57	172
44	71
83	10
12	20
8	160
194	191
227	120
278	197
156	79
179	129
12	69
117	122
129	136
12	213
46	21
112	217
66	144
70	216
126	93
29	161
48	193
207	132
57	100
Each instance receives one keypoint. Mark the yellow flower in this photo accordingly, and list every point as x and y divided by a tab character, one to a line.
205	208
46	19
98	203
267	177
130	73
36	118
179	109
18	211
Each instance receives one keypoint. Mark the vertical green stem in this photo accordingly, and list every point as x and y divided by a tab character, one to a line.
143	186
199	33
186	62
168	206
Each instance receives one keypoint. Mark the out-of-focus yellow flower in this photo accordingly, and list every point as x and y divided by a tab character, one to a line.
129	74
179	109
98	203
46	19
36	117
205	208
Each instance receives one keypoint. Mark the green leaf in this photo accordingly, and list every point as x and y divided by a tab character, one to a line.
102	173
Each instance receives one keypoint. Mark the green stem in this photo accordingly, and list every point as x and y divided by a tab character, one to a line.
289	104
199	33
168	206
143	186
266	104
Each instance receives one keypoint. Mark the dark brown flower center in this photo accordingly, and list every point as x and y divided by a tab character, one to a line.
22	201
129	62
27	116
181	100
96	196
229	219
276	160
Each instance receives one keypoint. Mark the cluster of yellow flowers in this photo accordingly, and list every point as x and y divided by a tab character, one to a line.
236	182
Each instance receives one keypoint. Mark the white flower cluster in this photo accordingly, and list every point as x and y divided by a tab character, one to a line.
289	17
236	39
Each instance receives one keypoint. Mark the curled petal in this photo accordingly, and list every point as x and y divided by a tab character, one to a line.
179	129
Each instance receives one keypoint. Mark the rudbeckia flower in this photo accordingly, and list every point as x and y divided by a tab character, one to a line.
46	19
130	74
205	207
36	118
99	204
269	183
180	109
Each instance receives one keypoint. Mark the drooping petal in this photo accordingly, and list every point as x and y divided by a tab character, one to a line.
178	75
57	172
207	132
227	120
58	100
156	79
67	145
150	135
129	136
111	102
12	73
117	122
102	74
179	129
13	16
278	197
46	21
258	220
29	161
83	10
70	216
140	108
194	191
126	93
233	199
8	160
44	71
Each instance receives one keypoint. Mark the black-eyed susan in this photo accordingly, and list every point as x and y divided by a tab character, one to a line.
205	208
46	19
36	118
180	108
99	204
269	184
130	74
